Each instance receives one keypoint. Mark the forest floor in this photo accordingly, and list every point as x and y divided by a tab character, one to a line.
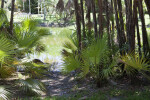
66	87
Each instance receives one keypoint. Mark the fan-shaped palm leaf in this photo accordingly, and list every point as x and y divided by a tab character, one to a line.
6	49
31	86
27	35
3	17
134	62
4	93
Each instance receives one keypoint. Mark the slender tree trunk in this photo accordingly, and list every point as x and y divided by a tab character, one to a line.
44	10
41	7
113	30
23	6
2	3
133	23
120	36
108	22
128	4
100	3
38	6
88	16
94	18
78	22
137	28
29	7
12	17
144	32
147	2
121	20
83	22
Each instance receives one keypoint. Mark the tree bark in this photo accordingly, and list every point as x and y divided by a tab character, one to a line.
11	18
94	18
41	7
120	36
100	3
128	4
144	32
108	22
2	4
137	28
121	20
113	30
78	23
83	22
44	10
147	2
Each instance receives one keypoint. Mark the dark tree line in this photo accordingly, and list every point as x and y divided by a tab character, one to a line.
100	14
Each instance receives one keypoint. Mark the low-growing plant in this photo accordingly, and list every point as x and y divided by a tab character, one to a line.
31	86
93	59
4	93
135	64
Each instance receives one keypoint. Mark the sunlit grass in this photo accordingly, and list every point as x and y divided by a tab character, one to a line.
54	42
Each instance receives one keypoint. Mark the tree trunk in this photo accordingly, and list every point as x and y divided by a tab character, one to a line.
121	20
137	28
94	18
41	7
108	22
29	7
147	2
113	30
128	4
23	6
83	22
100	3
78	22
120	36
11	18
88	16
38	6
44	10
133	23
2	4
144	32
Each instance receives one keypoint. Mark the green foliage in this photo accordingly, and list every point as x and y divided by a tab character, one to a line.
6	71
27	35
6	49
134	63
34	70
90	60
31	86
4	93
3	17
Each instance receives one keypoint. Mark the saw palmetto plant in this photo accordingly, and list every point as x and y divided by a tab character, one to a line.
4	93
90	59
6	57
31	86
134	63
25	37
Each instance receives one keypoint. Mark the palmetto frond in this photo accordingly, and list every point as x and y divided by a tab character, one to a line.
34	70
95	52
31	86
6	49
28	35
4	93
90	59
6	71
133	62
3	17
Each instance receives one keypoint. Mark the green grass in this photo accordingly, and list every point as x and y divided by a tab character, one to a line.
55	42
106	94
